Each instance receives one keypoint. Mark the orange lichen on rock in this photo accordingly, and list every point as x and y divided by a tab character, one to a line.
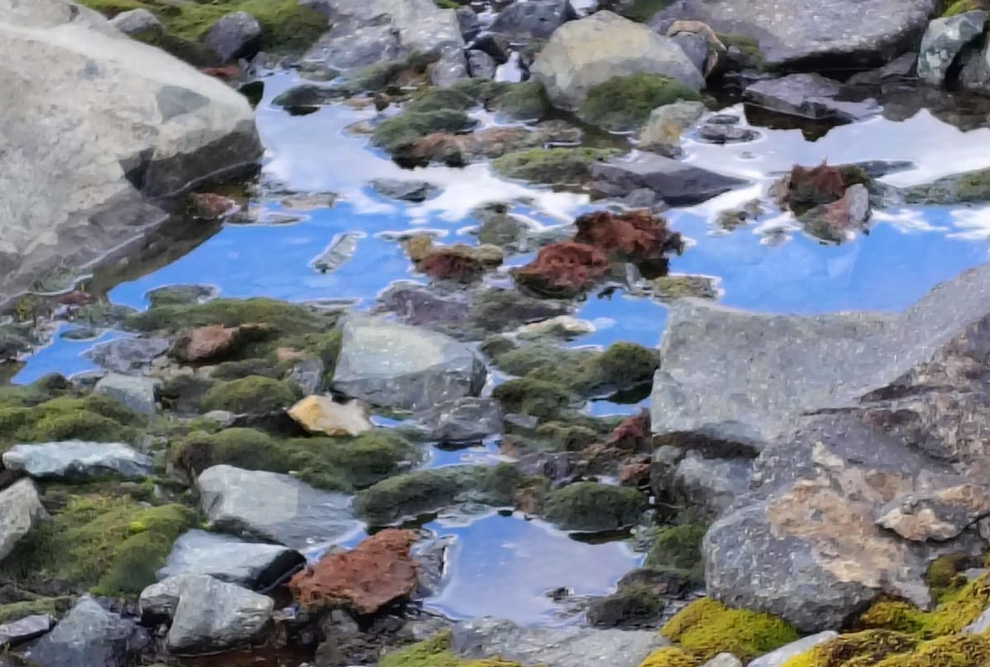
563	270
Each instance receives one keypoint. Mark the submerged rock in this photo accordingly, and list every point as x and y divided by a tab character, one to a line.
272	506
944	40
810	96
582	54
676	183
404	367
414	191
89	635
249	564
970	186
77	460
20	508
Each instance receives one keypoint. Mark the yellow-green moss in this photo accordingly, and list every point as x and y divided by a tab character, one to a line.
624	103
112	546
95	417
859	649
553	166
961	7
434	652
253	394
952	615
944	577
706	628
670	656
952	651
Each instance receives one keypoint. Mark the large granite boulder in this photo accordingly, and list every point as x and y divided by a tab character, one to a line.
250	564
405	367
20	507
94	125
808	34
582	54
274	507
77	460
89	635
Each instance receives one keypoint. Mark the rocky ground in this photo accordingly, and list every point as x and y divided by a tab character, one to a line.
805	491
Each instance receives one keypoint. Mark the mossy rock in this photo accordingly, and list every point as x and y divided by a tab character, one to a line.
286	318
535	398
954	613
25	396
520	101
565	436
859	649
670	656
435	652
961	7
593	507
706	628
453	98
630	607
251	395
552	166
184	393
96	417
624	103
400	132
237	370
749	48
945	577
952	651
678	549
110	545
53	606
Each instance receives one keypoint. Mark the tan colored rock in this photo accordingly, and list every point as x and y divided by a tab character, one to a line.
321	414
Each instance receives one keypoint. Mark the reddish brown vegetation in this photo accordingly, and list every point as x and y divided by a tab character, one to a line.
637	236
365	579
563	270
632	434
635	474
443	264
211	206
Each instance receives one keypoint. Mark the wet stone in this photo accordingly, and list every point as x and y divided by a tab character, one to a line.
726	134
412	191
134	391
463	420
944	39
88	635
676	183
25	629
20	508
77	460
249	564
481	65
128	354
234	36
810	96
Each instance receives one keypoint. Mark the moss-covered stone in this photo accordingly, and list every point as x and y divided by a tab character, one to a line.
552	166
956	611
945	577
535	398
859	649
286	318
750	54
110	545
521	101
952	651
568	437
403	131
253	394
434	652
670	656
624	103
678	548
184	393
706	628
593	507
95	417
629	607
53	606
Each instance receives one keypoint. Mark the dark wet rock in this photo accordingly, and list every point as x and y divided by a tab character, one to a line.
809	96
497	46
944	40
307	97
134	391
180	295
252	565
970	186
563	270
77	460
470	25
137	22
273	507
20	508
592	507
628	608
593	50
677	183
431	555
450	68
481	65
414	191
974	74
726	134
532	19
128	354
88	635
939	514
370	576
462	420
236	35
807	34
665	582
404	367
200	127
707	486
208	615
832	221
571	646
663	130
23	630
900	69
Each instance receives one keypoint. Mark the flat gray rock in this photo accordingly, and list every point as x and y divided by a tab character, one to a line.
77	460
127	355
807	33
274	507
676	183
944	39
404	367
785	653
20	508
584	53
553	647
134	391
809	96
88	635
25	629
249	564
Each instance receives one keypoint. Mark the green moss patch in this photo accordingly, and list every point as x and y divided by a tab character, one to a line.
624	103
53	606
403	131
287	318
253	394
535	398
593	507
956	611
552	166
678	549
96	418
434	652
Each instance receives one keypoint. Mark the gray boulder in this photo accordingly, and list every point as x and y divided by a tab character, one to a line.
404	367
470	24
555	647
137	22
88	635
127	355
481	65
139	123
582	54
808	34
273	507
524	20
236	35
134	391
25	629
676	183
249	564
20	508
77	460
450	68
944	40
809	96
785	653
462	420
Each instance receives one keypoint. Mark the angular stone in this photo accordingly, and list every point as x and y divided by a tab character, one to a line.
274	507
450	68
532	19
127	355
691	480
785	653
944	39
666	124
25	629
321	414
592	50
236	35
462	420
249	564
212	615
677	183
404	367
470	25
20	508
136	22
308	375
481	65
134	391
809	96
88	635
561	647
414	191
77	460
939	515
807	34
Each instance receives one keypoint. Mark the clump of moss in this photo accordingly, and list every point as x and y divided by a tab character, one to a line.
236	370
253	394
593	507
951	616
858	649
552	166
535	398
944	577
285	318
53	606
453	98
748	47
952	651
112	546
568	437
624	103
435	652
961	7
521	101
403	131
706	628
96	417
670	656
25	396
678	548
631	606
